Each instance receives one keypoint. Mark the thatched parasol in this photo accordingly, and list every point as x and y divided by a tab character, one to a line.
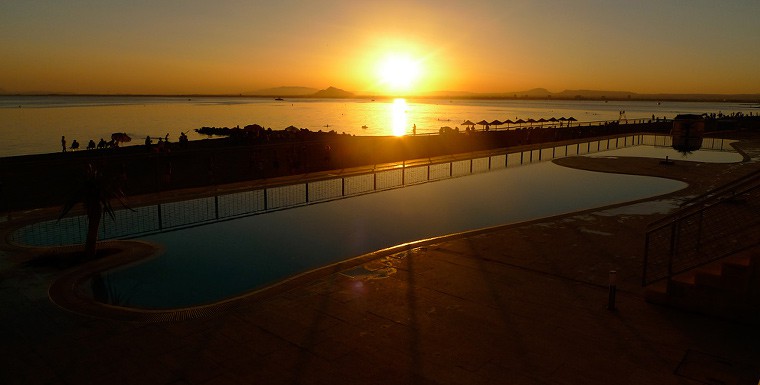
120	137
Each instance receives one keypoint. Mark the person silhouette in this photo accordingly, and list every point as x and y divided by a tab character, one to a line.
74	145
63	143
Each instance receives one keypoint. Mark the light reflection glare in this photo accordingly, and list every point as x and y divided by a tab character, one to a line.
398	116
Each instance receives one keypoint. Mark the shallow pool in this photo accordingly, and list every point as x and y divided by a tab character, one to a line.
208	263
662	152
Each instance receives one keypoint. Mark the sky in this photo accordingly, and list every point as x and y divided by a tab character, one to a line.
379	47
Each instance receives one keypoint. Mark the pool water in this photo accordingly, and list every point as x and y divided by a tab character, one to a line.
661	152
208	263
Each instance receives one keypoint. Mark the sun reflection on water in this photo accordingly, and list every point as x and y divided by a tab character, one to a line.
398	116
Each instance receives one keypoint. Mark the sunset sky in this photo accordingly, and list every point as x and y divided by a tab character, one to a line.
375	47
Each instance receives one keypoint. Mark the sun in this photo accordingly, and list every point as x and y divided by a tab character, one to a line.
399	73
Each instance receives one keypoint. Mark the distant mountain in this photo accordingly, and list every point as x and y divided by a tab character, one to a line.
532	93
333	92
303	92
283	91
595	94
542	93
626	95
450	94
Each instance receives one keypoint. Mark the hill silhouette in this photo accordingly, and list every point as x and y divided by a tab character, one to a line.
332	92
534	93
283	91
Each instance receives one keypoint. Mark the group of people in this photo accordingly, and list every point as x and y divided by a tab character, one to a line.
163	143
91	145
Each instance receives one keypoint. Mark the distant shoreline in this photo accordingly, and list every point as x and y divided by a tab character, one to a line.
597	96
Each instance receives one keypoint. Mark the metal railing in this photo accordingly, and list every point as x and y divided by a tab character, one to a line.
156	218
714	225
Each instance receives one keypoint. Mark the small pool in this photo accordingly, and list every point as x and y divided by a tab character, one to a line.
662	152
208	263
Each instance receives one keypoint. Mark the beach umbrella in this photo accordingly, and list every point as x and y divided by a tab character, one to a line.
531	121
520	121
120	137
496	123
560	120
483	123
468	123
542	121
571	119
508	122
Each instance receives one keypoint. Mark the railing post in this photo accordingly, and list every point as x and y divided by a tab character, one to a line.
160	218
216	207
403	173
699	227
646	260
673	246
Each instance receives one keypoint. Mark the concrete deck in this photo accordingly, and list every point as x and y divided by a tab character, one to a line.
522	304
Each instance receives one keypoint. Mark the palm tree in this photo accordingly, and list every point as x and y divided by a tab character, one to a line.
95	194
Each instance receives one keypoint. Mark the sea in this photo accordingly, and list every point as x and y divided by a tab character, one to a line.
35	124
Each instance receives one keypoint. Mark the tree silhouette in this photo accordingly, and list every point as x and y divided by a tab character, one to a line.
95	194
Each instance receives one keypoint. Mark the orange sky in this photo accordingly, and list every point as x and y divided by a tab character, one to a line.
231	47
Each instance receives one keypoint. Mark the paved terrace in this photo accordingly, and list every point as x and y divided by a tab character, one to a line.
521	304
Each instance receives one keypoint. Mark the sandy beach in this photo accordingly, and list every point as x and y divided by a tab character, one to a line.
524	303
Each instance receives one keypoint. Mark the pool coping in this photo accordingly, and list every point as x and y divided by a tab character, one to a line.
64	292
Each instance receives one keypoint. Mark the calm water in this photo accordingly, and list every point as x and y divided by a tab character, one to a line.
208	263
35	124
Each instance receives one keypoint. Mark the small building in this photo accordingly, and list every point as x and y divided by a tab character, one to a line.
687	132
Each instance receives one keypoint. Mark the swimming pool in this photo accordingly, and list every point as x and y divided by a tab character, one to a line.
208	263
712	151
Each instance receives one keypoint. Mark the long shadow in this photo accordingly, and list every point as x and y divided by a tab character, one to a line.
415	376
62	260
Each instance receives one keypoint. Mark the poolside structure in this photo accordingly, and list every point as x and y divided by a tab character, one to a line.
688	131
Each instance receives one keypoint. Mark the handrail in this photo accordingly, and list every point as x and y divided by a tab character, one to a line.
706	230
691	205
271	190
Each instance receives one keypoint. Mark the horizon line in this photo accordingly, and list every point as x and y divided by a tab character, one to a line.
522	95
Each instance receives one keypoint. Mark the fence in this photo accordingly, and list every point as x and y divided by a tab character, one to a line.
717	224
167	216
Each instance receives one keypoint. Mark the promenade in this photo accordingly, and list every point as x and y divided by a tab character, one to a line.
519	304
